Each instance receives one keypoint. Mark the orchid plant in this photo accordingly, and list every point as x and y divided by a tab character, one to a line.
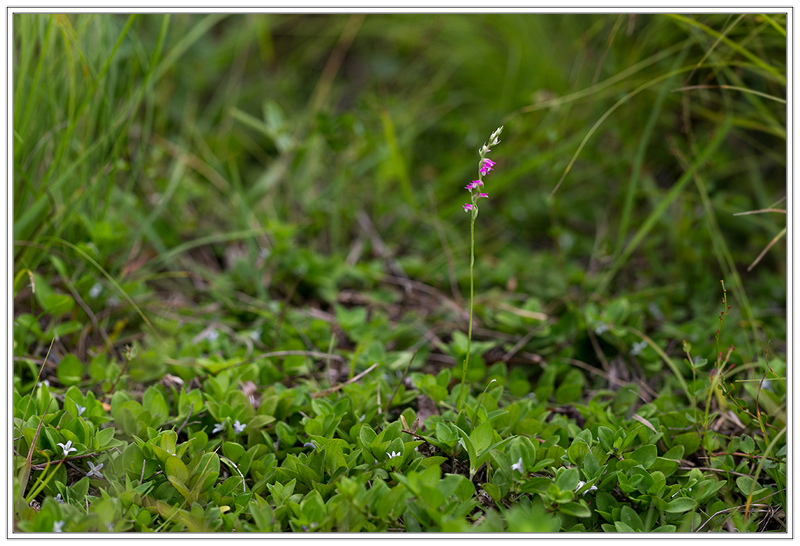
485	166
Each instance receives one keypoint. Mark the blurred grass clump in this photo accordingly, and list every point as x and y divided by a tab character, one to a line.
276	199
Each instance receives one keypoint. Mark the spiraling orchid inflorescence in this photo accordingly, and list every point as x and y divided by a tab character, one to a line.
485	165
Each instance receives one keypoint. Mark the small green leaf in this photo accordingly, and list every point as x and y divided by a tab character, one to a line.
630	518
645	455
590	466
232	450
69	370
681	504
746	444
575	509
622	528
482	437
175	468
567	480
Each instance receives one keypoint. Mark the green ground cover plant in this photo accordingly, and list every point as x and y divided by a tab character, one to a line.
241	264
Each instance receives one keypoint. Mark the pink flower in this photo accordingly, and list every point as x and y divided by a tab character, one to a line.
487	166
483	195
474	184
467	207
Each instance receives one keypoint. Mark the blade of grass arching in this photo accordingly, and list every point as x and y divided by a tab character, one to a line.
774	24
600	86
713	47
26	38
659	211
766	249
145	91
752	98
88	100
732	88
664	357
769	449
33	94
738	121
644	142
67	35
210	239
721	251
186	42
608	112
730	43
114	283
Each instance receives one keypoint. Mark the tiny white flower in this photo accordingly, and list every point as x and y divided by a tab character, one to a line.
309	444
212	335
252	400
655	311
59	500
637	347
766	385
110	527
57	526
218	427
238	427
363	416
602	327
518	466
67	447
81	409
581	484
255	335
45	383
95	290
94	470
113	300
393	454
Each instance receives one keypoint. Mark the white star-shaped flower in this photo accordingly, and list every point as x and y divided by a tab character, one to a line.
581	484
57	526
59	500
518	466
238	427
94	470
95	290
218	427
81	409
638	347
393	454
67	447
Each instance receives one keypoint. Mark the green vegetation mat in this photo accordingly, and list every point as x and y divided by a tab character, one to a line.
244	298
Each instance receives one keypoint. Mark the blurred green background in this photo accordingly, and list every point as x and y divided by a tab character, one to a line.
201	160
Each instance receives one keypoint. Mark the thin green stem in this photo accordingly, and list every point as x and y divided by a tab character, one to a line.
471	303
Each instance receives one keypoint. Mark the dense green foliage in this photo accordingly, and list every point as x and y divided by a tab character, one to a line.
241	273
